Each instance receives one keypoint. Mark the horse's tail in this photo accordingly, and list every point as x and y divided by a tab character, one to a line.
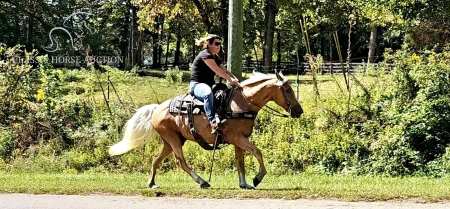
138	131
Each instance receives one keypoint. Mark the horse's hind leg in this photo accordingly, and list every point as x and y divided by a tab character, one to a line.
176	142
166	150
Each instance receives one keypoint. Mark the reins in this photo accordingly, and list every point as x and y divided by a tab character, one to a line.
274	112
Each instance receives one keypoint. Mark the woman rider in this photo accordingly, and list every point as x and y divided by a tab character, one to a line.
205	66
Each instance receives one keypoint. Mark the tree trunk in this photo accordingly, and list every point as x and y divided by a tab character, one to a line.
137	40
224	23
167	50
29	41
204	15
373	44
194	54
161	35
176	60
138	55
322	46
278	49
271	12
156	44
331	50
155	51
124	40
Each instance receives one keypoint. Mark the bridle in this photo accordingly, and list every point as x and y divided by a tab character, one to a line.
273	111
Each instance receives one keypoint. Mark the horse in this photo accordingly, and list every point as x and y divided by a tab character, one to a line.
155	119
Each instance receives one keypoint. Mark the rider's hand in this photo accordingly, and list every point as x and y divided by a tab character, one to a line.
235	82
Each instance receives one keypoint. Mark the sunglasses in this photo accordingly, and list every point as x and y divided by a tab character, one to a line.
217	43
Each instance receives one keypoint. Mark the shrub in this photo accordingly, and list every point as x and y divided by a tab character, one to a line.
420	101
7	138
439	167
174	75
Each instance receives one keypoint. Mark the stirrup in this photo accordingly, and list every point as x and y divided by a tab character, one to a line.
218	127
218	121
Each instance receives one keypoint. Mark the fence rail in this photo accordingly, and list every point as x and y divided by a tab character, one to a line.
302	68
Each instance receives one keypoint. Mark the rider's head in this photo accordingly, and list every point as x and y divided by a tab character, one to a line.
211	42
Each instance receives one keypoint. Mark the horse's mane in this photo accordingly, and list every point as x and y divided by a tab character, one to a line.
259	77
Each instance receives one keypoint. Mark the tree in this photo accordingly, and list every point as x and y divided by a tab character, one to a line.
270	11
428	22
376	13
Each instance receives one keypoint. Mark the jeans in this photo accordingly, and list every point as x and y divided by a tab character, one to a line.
204	93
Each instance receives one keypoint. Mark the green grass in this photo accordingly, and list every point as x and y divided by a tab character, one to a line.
177	183
156	89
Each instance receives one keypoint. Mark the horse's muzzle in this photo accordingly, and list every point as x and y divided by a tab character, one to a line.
296	112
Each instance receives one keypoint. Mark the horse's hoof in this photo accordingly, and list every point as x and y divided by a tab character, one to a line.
152	185
256	181
246	186
205	185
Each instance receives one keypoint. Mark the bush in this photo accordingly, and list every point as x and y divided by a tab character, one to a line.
421	103
7	138
174	75
439	167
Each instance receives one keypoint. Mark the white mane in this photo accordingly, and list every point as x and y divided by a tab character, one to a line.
257	77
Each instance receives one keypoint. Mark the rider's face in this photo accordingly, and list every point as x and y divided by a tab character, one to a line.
214	48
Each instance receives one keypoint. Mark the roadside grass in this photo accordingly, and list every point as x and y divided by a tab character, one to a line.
179	184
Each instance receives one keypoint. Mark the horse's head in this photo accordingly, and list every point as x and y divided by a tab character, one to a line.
276	89
284	95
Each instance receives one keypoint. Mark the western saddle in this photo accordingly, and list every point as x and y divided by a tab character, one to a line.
190	105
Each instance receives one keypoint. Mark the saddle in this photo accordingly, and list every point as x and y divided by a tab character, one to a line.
183	103
190	105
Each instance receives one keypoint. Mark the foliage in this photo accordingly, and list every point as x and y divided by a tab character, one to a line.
6	142
33	106
420	98
17	78
408	123
167	29
174	75
439	167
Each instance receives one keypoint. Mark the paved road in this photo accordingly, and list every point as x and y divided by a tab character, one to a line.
26	201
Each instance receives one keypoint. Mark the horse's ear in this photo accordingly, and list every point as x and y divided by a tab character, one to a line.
279	75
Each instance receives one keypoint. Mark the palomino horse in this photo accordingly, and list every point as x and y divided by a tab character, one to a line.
152	120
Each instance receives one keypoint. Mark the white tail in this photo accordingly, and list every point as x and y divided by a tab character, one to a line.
138	131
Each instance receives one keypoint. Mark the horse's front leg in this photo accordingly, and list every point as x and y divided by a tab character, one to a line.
239	154
243	143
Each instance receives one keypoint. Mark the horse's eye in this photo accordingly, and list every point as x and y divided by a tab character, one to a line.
288	91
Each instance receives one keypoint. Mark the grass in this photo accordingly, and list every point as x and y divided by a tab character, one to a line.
156	89
178	184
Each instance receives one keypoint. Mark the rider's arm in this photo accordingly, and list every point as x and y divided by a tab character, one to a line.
219	71
226	71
